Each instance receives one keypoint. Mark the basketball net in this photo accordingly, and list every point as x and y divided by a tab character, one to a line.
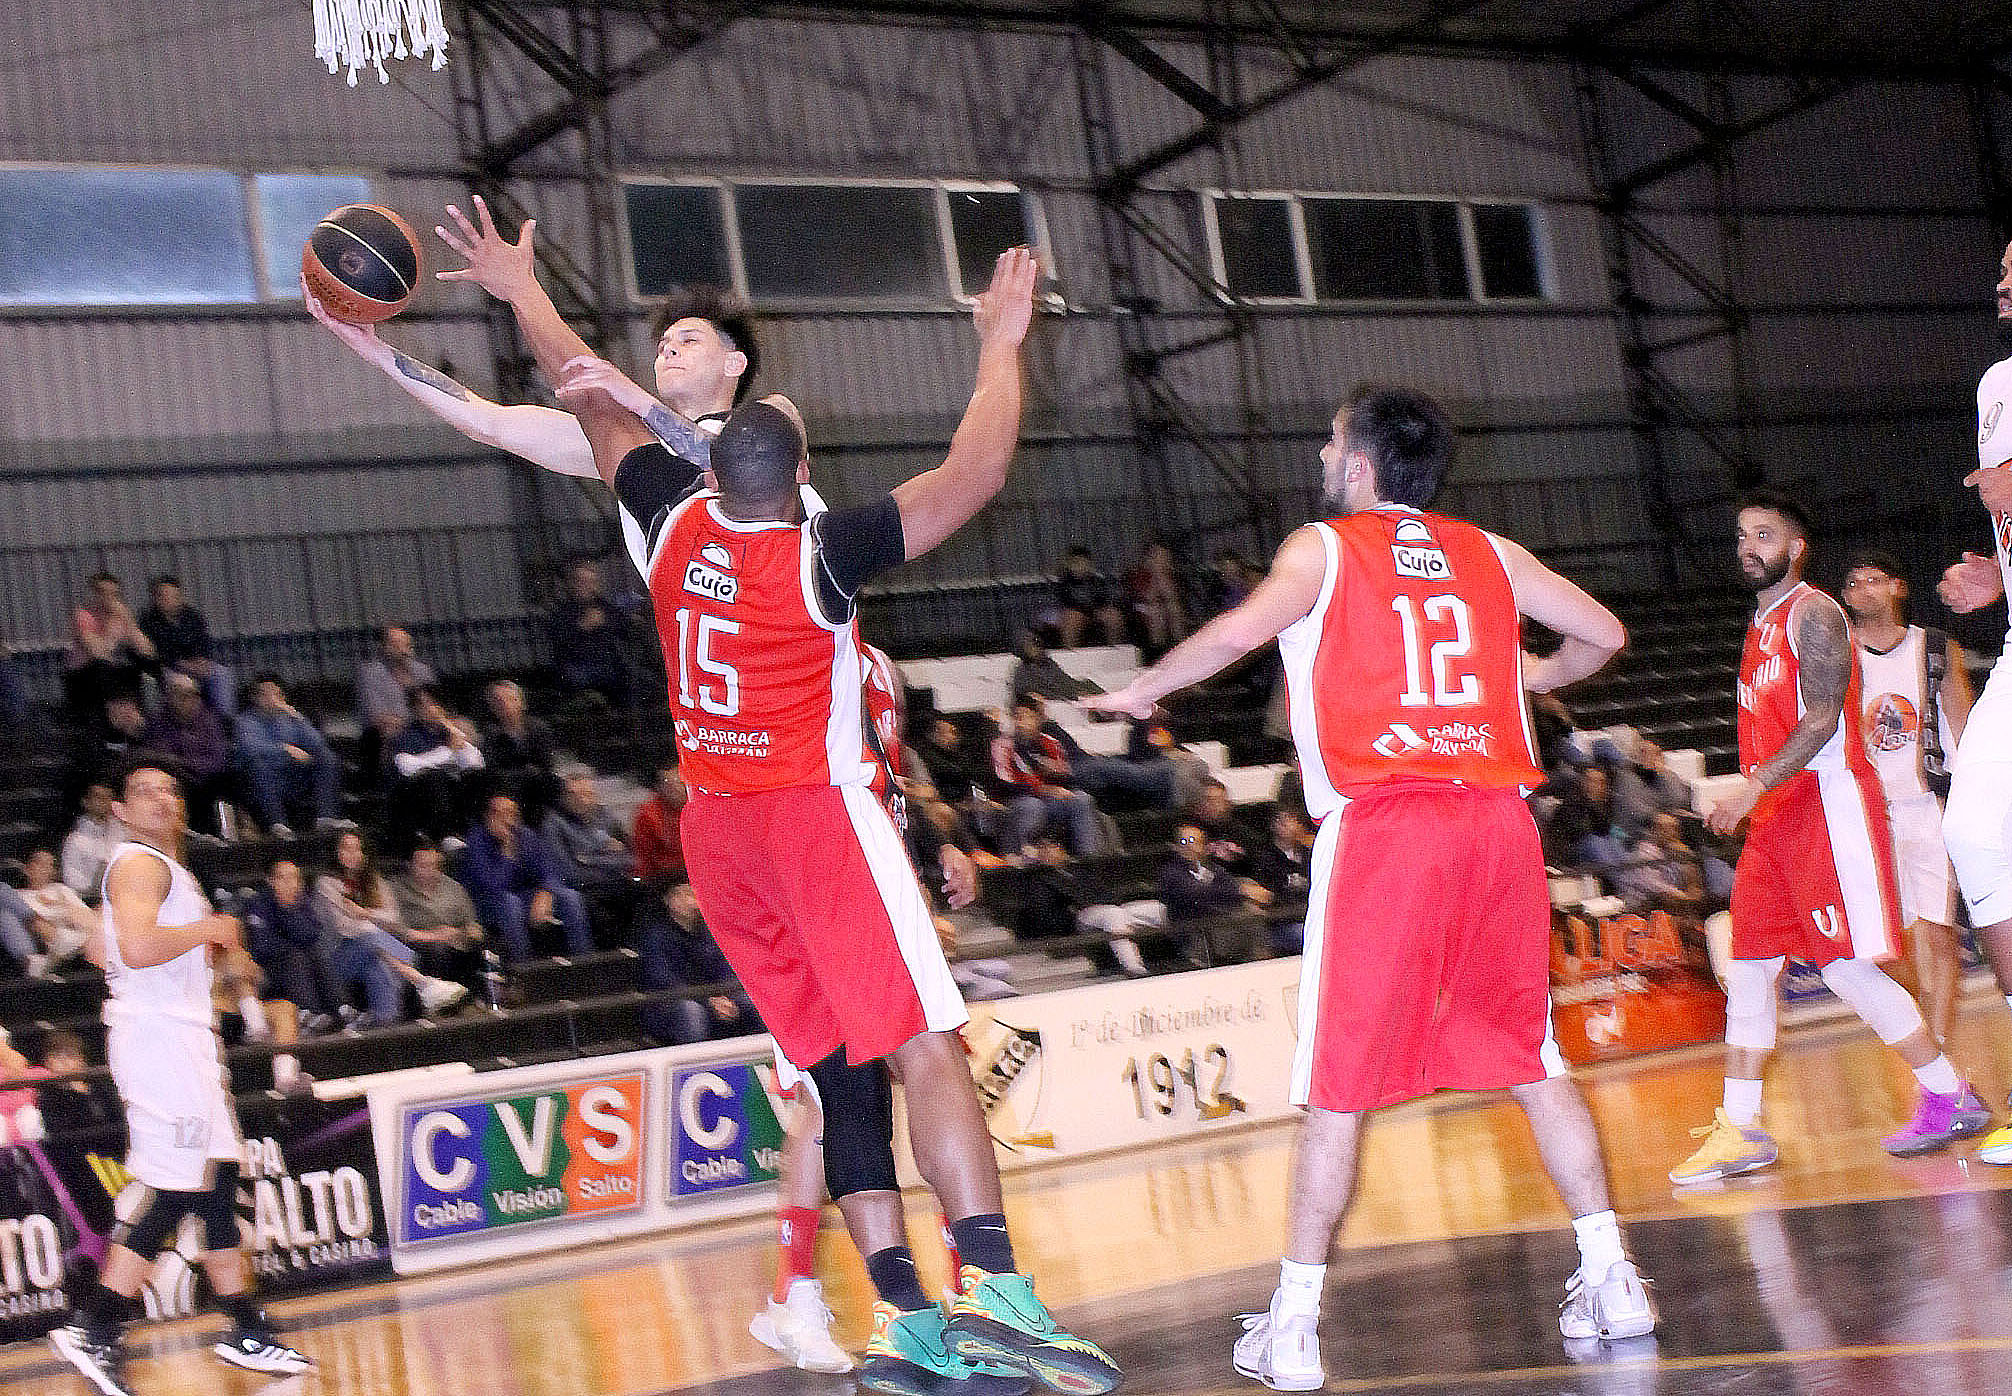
356	32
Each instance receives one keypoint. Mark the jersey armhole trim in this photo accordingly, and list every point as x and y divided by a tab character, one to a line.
1330	582
812	566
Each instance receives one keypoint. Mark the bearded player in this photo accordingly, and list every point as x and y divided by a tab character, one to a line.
1428	926
184	1148
799	873
1977	824
1815	879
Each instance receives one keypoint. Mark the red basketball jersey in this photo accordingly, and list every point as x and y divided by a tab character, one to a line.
765	692
1770	696
1409	666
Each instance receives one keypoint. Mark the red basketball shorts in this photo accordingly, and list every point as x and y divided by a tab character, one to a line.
1816	881
811	897
1427	961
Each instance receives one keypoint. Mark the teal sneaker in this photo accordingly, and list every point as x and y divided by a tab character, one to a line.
906	1356
998	1319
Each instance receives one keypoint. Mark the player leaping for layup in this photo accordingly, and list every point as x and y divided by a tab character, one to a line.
1428	925
800	875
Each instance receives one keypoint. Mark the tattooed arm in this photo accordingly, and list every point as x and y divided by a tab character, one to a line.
1823	657
544	436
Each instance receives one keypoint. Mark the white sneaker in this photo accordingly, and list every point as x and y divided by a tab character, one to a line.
438	995
1284	1355
800	1329
1620	1306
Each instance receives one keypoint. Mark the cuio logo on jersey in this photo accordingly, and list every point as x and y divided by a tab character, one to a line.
566	1151
724	1123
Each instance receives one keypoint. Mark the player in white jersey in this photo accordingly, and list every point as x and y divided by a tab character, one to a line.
155	943
1977	824
1917	699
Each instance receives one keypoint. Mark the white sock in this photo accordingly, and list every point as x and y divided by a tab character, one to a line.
1299	1289
257	1028
285	1070
1939	1076
1129	959
1599	1244
1743	1100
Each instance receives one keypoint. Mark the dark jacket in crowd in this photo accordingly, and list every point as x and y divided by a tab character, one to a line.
185	637
271	929
486	872
1192	892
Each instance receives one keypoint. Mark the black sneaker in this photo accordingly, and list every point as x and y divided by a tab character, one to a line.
101	1361
261	1352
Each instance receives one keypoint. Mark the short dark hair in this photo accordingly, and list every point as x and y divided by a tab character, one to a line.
166	579
268	676
1030	701
97	577
1080	550
1875	557
756	454
143	760
1407	437
1776	502
725	312
62	1040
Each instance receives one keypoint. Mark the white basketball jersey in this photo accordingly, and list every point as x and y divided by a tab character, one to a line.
178	990
1895	698
1994	452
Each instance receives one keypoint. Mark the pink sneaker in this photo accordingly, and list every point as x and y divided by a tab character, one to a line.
1938	1121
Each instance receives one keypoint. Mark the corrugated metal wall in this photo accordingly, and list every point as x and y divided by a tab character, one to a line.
86	399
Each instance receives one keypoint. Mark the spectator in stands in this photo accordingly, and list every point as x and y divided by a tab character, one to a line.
1662	874
593	856
1552	725
121	729
1084	605
1587	824
1231	841
289	941
108	651
358	906
1220	907
1645	787
187	729
13	694
677	952
1283	867
1116	779
287	763
962	775
89	844
1033	769
439	920
519	751
248	1009
1035	671
62	923
659	854
432	771
384	688
1159	611
1119	922
182	644
589	643
17	936
978	981
72	1107
517	884
1230	581
1150	746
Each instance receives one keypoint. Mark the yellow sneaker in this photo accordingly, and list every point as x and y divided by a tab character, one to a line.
1728	1149
1997	1146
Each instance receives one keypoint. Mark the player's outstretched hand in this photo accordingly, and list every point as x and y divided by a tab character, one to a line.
362	338
1973	583
1006	308
499	266
1994	487
1124	702
586	380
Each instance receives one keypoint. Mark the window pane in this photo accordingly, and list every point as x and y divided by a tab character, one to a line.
1256	237
1368	249
123	237
289	205
851	242
985	224
1508	241
678	235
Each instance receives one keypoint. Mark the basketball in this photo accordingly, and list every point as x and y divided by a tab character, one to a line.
362	262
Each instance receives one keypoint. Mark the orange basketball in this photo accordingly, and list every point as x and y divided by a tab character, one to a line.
363	263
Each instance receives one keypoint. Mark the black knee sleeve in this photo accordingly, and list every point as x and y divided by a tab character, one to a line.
858	1104
147	1218
218	1207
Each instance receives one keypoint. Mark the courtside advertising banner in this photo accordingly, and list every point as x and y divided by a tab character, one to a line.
726	1120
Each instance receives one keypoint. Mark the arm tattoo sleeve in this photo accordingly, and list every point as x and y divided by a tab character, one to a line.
1823	652
681	436
431	377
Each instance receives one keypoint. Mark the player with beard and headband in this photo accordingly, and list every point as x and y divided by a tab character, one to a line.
1428	925
1977	822
799	873
1917	699
184	1147
1816	878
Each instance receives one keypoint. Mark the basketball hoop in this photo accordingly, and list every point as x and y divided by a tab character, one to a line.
359	32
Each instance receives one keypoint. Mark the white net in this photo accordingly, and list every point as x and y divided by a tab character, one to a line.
356	33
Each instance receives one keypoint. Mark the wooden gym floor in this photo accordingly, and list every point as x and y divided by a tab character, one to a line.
1841	1271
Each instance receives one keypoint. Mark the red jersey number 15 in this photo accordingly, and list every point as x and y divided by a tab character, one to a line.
695	648
1452	638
